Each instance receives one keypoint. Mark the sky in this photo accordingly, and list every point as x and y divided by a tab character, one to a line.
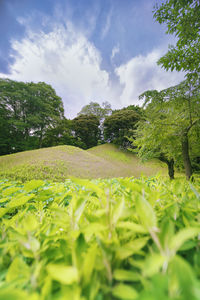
87	50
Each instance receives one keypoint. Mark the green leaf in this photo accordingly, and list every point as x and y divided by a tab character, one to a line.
12	294
124	275
79	207
181	279
30	222
94	228
33	184
10	191
3	211
137	228
145	212
132	247
20	200
118	210
89	263
153	264
182	236
18	270
124	291
63	274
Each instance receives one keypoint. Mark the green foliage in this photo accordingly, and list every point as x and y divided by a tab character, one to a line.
27	111
119	126
94	108
102	239
171	125
86	128
182	19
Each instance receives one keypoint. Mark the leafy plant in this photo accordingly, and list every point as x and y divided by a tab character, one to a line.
101	239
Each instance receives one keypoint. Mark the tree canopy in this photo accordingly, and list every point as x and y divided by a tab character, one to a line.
86	128
171	125
28	111
182	19
94	108
118	126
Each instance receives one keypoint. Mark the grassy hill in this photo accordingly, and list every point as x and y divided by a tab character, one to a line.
58	163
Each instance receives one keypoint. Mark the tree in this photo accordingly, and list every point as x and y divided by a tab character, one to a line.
182	19
154	142
5	130
86	128
30	109
171	116
94	108
118	127
47	108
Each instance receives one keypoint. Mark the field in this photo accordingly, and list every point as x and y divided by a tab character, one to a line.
100	239
58	163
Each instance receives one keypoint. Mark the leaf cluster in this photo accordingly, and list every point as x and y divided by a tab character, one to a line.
182	19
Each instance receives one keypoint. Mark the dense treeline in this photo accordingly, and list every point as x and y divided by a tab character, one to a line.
32	116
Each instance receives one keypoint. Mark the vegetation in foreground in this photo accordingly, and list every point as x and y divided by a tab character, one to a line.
58	163
101	239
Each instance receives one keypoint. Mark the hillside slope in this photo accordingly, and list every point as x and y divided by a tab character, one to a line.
60	162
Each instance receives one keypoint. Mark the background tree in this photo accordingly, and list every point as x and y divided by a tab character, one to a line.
30	109
94	108
118	127
151	141
182	19
173	115
86	128
5	130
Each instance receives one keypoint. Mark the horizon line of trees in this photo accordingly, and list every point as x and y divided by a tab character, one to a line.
32	116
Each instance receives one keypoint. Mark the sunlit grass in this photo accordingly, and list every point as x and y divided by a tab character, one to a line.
61	162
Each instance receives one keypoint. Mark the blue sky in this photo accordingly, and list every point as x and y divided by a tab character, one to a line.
88	50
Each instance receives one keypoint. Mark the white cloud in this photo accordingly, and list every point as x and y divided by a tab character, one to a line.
141	73
68	61
107	25
65	59
115	50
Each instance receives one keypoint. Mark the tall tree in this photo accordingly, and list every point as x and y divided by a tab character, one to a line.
86	128
182	19
172	114
31	109
94	108
118	127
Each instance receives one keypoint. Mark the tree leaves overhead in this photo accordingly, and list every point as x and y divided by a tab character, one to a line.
171	124
182	19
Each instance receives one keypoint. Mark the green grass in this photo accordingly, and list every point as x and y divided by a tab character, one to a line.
61	162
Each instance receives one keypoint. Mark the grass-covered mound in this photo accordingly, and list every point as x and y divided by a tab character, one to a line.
58	163
100	239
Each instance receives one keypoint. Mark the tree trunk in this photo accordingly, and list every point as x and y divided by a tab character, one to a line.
186	157
170	165
41	137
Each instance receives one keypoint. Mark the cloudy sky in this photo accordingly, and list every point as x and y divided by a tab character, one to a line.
88	50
